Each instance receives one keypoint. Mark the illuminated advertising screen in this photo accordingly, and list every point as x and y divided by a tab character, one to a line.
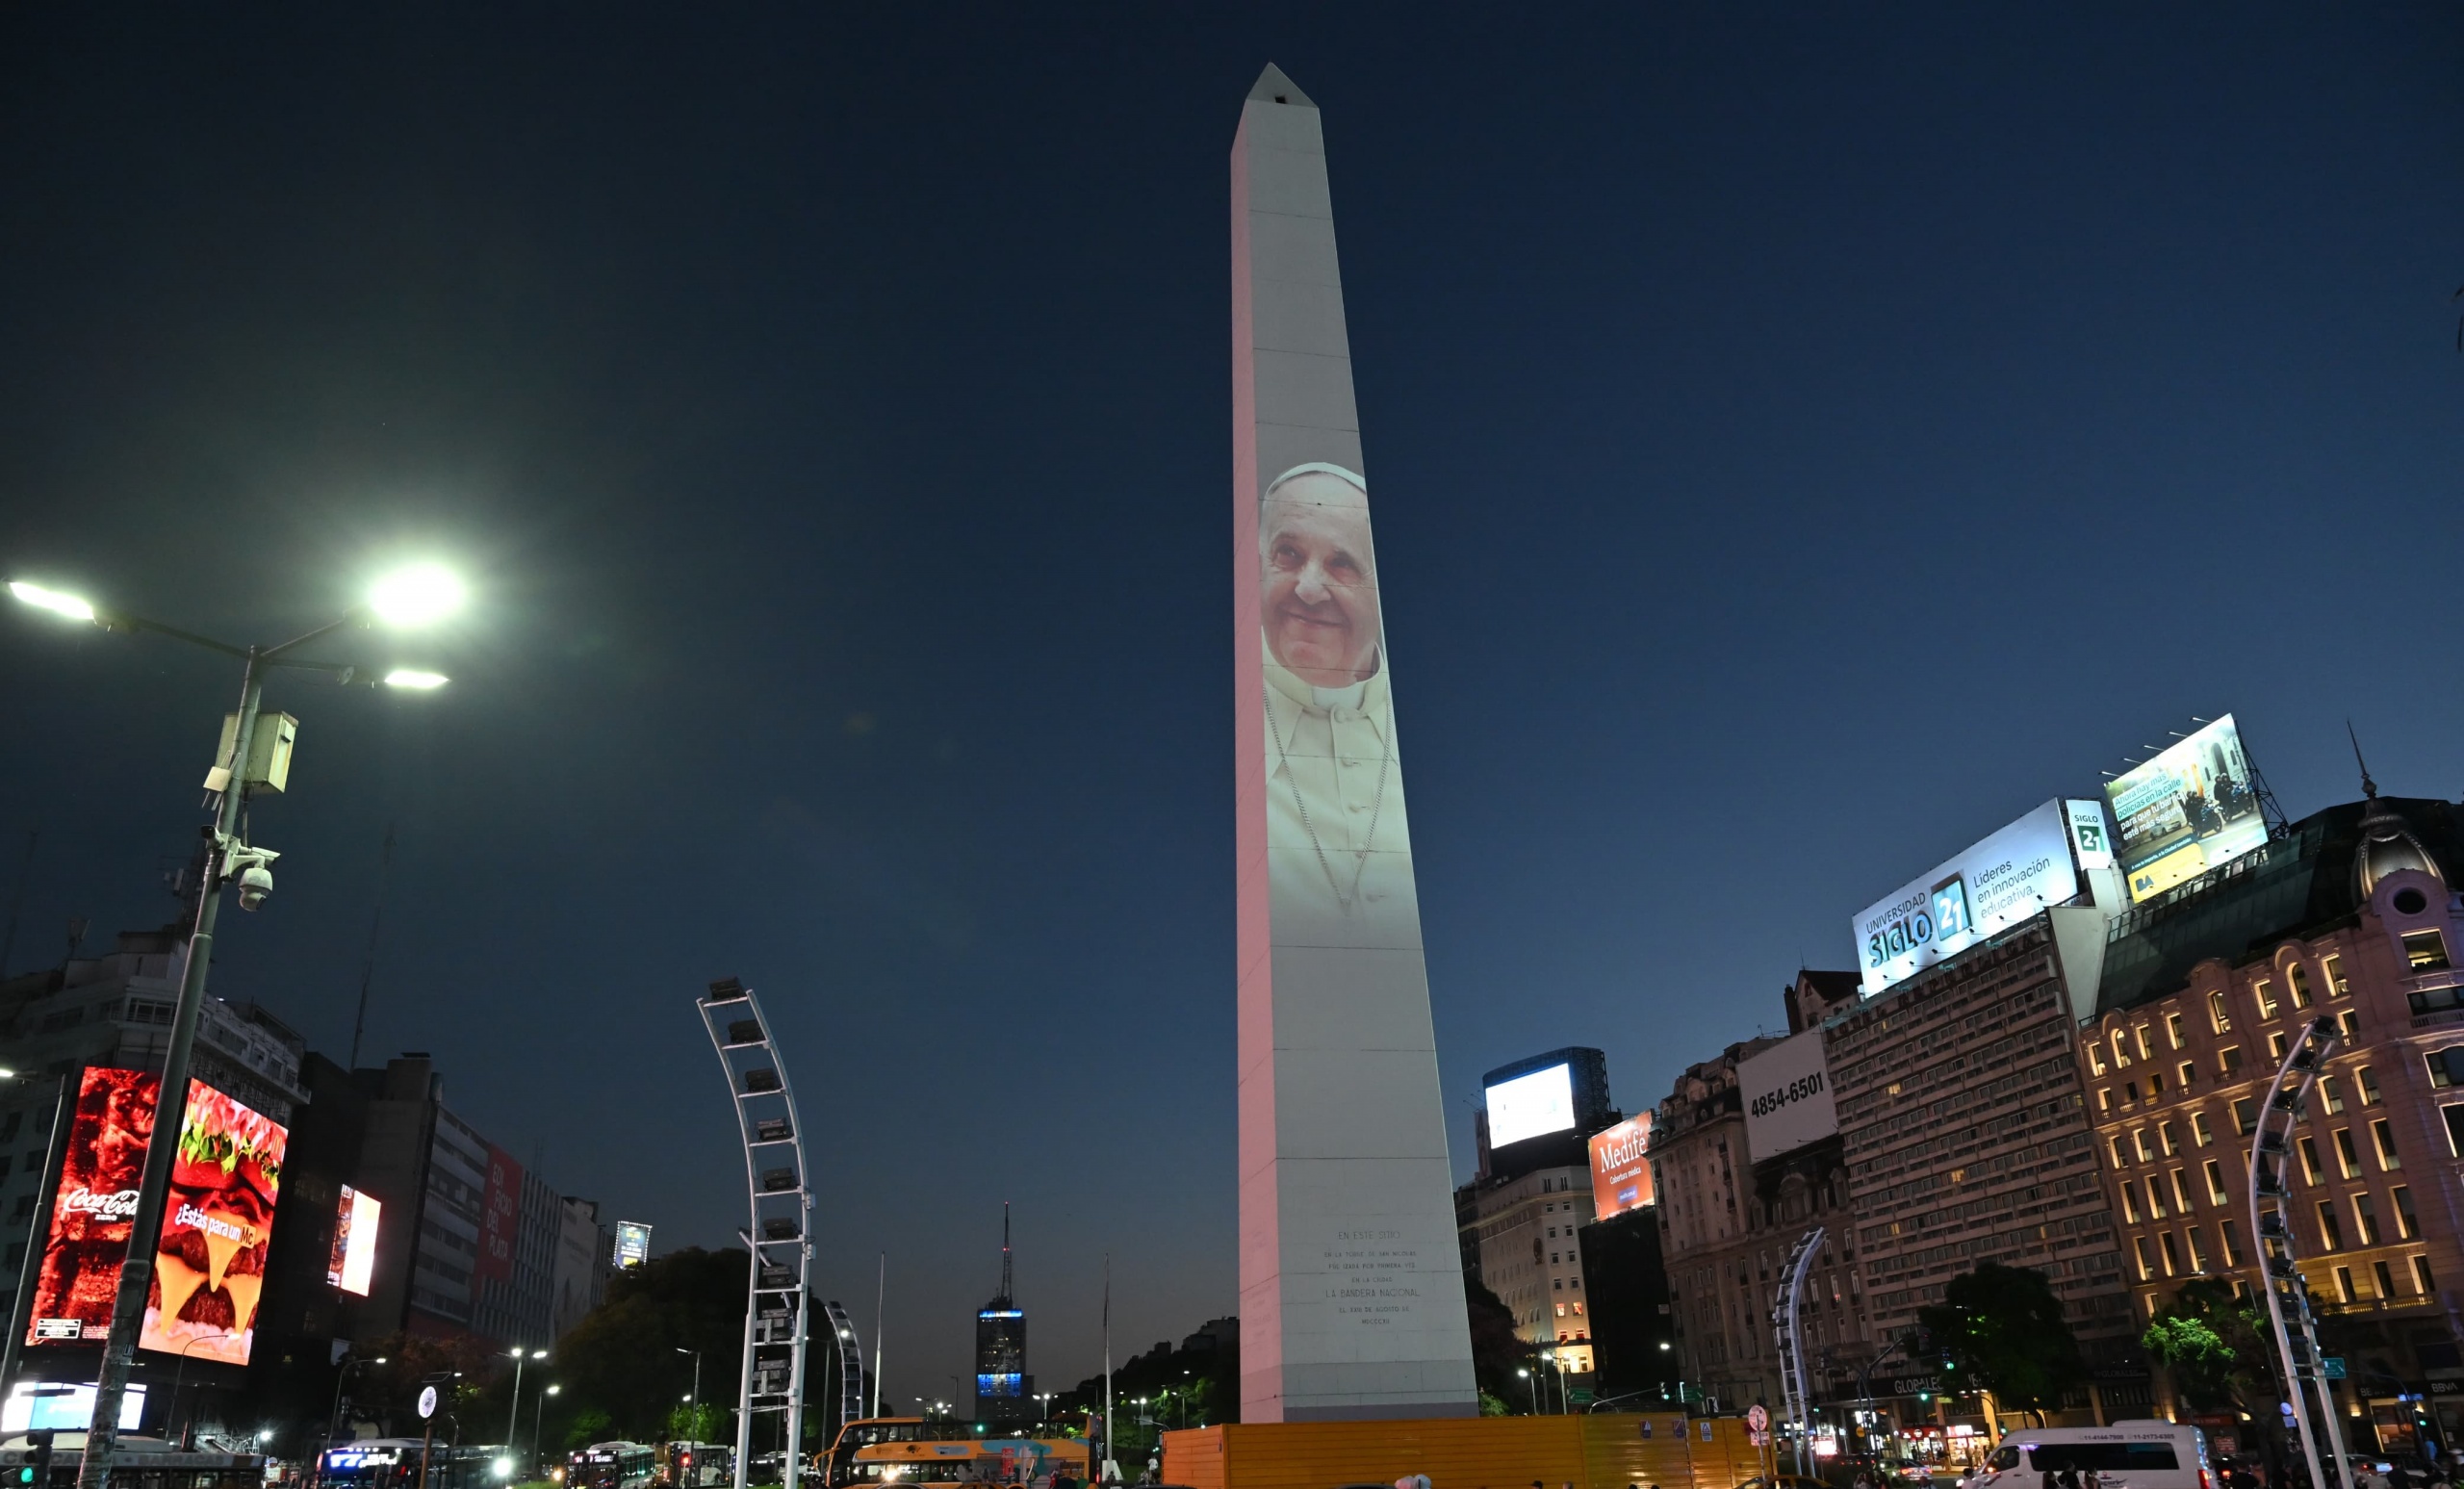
1999	882
355	1255
1002	1383
210	1262
94	1207
2091	842
632	1242
1786	1093
2189	810
1530	1106
1621	1176
52	1407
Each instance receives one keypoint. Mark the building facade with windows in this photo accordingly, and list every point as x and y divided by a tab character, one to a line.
1702	1184
1531	1258
2348	917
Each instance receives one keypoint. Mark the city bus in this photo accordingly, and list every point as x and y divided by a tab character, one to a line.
696	1465
394	1463
910	1451
617	1465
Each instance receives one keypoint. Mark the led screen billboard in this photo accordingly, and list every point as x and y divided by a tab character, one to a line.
1786	1091
1991	888
52	1407
632	1242
210	1262
94	1207
2091	842
2189	810
1531	1105
353	1260
1621	1176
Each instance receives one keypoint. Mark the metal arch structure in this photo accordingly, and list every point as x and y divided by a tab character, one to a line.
1788	1326
773	1377
2272	1224
850	1367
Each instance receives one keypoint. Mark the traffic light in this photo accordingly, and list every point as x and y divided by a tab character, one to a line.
38	1469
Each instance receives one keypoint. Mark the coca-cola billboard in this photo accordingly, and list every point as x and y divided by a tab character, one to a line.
209	1265
96	1202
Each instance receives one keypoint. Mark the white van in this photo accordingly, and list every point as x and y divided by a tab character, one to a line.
2125	1455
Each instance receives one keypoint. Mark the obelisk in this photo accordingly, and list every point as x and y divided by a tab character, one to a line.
1351	1282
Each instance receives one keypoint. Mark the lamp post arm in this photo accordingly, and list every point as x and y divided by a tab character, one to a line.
122	621
354	616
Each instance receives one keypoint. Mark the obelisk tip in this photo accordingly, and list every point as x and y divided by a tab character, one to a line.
1272	87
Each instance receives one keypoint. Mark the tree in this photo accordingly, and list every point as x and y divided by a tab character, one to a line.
623	1361
2000	1328
2199	1359
1496	1350
2243	1372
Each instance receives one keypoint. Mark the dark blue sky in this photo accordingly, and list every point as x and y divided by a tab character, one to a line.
1804	443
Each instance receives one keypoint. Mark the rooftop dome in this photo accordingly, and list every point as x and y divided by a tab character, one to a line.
2387	846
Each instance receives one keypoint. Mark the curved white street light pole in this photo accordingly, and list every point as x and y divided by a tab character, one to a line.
414	597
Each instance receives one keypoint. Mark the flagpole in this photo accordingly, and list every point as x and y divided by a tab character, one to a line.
1111	1470
881	1290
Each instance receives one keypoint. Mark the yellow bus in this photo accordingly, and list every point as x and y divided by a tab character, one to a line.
883	1450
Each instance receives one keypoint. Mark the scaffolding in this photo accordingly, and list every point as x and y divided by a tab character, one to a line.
1788	1324
2271	1221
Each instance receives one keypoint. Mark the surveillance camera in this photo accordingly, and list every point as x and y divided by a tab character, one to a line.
255	884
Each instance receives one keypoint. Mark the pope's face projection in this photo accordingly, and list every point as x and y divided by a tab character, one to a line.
1317	583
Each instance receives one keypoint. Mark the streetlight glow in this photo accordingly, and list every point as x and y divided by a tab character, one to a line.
52	599
412	677
417	594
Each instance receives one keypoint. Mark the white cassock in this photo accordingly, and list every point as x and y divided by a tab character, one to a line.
1338	846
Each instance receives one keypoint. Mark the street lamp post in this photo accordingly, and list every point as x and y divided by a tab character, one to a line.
1536	1388
333	1418
179	1370
696	1398
410	597
513	1427
537	1413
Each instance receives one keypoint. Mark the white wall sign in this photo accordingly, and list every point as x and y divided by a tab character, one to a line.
1786	1090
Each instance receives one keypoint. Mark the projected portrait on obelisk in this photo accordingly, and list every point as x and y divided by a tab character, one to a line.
1335	799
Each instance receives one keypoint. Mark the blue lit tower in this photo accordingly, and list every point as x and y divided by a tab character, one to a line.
1004	1390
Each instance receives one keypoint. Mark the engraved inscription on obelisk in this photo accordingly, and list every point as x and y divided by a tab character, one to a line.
1352	1283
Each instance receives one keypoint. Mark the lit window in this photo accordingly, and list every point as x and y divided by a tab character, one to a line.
2198	1253
2298	977
2334	1099
2130	1203
2181	1192
2155	1198
2346	1160
2121	1054
2105	1099
2264	991
2310	1169
2169	1138
2229	1058
2113	1146
2139	1140
2425	951
2186	1075
2409	1225
2173	1257
2365	1215
2331	1234
2232	1235
2454	1116
2350	1022
2445	1065
2216	1018
2383	1137
2215	1182
2421	1274
2339	986
2096	1057
2276	1048
2344	1285
2173	1030
2368	1080
2147	1051
2146	1263
2200	1131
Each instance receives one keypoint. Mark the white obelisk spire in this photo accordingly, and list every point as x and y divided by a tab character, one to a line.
1351	1282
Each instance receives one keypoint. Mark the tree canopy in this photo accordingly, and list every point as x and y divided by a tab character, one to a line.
2001	1328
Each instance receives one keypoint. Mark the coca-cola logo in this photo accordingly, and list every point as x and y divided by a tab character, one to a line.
116	1205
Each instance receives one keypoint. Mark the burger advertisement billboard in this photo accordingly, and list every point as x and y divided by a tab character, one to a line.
209	1263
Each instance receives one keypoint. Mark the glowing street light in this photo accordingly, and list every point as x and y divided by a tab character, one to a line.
417	594
413	596
51	600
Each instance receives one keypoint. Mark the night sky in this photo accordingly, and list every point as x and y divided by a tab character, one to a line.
1804	441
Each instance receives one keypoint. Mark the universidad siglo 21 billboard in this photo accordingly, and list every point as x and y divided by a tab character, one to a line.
210	1254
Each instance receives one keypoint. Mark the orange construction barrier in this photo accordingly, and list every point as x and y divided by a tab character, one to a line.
1599	1450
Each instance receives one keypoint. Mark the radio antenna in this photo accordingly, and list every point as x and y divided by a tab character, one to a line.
367	968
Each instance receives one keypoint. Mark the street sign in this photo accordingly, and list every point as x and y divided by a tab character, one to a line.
1758	1439
1756	1418
427	1402
2334	1366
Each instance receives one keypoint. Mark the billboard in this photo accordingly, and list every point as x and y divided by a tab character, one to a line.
353	1260
94	1207
501	1217
633	1244
1530	1106
1786	1091
1993	885
2189	810
1621	1176
2091	842
210	1262
54	1406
